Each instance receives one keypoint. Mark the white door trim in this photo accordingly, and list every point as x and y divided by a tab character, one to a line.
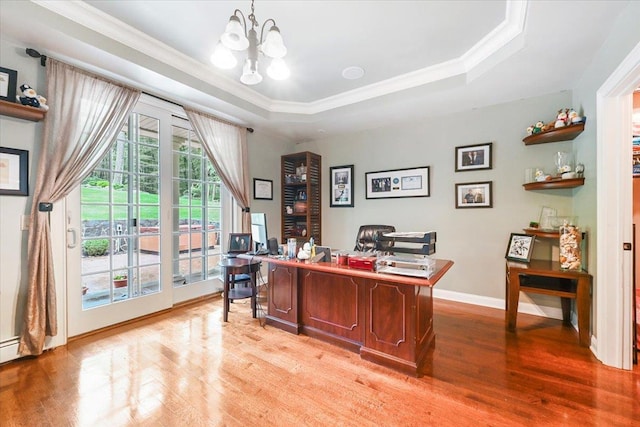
615	213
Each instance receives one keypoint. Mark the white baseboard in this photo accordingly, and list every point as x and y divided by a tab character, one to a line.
9	347
523	307
9	350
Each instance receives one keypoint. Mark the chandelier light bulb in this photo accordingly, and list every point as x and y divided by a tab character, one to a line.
273	45
233	36
250	75
278	69
223	58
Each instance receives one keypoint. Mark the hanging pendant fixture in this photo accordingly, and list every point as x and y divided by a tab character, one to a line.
239	37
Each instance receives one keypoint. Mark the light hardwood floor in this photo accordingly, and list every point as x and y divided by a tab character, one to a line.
187	368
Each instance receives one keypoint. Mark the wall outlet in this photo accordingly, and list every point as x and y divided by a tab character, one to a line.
24	222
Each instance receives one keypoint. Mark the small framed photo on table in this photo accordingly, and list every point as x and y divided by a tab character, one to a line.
520	247
473	157
341	186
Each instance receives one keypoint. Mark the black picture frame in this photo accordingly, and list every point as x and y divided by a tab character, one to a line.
262	189
341	186
240	243
520	247
8	84
396	183
474	157
14	172
474	195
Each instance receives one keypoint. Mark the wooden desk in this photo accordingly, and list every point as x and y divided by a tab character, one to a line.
231	267
581	292
386	318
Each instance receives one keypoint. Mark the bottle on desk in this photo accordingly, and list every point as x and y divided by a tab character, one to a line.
313	247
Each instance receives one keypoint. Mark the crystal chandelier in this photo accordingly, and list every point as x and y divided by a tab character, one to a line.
236	37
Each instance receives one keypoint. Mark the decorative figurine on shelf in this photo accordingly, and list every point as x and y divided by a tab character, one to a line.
530	130
562	119
538	127
575	118
31	98
541	176
580	170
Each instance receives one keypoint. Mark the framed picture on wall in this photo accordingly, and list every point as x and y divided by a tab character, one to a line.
8	84
413	182
14	172
474	195
262	189
474	157
341	186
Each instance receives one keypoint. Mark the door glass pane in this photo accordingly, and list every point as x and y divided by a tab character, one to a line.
197	208
121	192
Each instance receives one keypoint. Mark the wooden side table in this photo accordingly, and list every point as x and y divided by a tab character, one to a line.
581	292
231	267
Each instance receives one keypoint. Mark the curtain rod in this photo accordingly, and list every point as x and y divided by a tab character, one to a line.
43	61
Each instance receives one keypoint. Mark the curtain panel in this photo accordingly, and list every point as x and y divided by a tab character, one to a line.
86	112
226	147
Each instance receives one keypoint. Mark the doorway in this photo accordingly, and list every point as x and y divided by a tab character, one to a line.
116	279
635	124
614	298
144	230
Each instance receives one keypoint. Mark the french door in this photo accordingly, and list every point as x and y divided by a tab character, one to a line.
145	228
115	269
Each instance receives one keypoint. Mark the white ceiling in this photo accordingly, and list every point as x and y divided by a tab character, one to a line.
421	58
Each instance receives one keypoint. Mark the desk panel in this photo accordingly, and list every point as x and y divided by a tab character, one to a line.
387	318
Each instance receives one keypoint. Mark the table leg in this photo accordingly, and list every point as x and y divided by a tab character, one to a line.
513	294
583	308
565	303
225	309
254	290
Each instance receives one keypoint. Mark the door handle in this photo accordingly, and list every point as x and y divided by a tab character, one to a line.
74	242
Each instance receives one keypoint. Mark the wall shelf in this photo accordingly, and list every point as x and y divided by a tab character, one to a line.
566	133
547	234
19	111
554	184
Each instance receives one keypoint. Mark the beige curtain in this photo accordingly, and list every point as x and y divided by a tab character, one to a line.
85	115
226	146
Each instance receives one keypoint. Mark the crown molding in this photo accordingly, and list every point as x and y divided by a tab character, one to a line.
98	21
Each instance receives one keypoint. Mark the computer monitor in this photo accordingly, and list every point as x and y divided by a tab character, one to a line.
259	232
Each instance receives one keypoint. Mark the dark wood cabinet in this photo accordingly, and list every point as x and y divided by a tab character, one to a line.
283	298
301	194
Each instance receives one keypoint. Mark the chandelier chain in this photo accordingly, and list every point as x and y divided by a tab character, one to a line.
252	17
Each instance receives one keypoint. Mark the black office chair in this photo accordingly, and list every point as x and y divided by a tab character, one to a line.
368	238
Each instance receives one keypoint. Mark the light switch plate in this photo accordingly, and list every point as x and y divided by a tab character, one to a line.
24	222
